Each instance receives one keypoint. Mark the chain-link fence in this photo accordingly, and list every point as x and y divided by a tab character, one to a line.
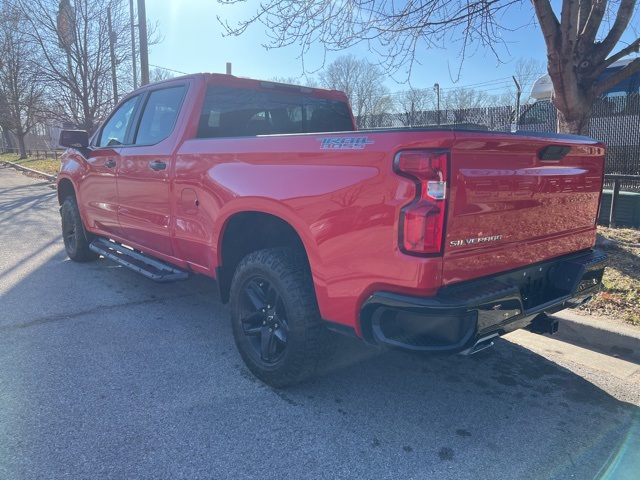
615	122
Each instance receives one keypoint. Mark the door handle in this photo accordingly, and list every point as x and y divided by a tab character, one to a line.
157	165
110	163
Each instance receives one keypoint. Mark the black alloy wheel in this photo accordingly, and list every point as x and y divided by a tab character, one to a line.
264	320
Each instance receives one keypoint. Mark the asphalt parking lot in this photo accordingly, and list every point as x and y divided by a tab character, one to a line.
104	374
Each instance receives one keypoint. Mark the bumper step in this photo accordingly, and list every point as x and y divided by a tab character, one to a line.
466	317
138	262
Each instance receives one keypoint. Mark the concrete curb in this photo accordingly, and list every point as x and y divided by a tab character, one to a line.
601	336
51	178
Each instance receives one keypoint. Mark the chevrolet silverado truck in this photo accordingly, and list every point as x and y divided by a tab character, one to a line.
427	240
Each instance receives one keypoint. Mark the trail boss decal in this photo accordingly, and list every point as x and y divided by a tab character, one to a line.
475	241
344	143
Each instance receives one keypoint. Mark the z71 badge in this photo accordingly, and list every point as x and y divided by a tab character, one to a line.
344	143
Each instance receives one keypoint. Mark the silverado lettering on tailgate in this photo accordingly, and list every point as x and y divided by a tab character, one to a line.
474	241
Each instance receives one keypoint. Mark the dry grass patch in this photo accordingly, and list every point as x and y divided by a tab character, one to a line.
50	166
620	297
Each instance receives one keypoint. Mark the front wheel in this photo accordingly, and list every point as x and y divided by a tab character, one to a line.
73	234
275	316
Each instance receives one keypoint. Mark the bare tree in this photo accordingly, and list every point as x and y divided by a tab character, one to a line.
460	101
76	66
527	71
159	74
21	90
412	103
5	138
582	37
362	83
306	82
580	47
464	99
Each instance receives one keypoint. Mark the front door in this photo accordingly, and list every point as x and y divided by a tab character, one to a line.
99	183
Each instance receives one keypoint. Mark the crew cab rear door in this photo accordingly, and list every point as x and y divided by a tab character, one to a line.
144	175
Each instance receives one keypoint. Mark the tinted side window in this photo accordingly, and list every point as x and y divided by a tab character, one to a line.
115	130
160	114
234	112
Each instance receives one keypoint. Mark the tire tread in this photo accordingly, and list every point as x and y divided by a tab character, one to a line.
293	271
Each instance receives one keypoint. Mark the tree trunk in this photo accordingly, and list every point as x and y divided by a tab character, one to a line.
574	126
21	146
8	141
573	96
574	114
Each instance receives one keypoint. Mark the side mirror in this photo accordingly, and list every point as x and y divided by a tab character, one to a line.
78	139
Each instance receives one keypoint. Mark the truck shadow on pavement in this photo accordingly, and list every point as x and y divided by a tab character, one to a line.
15	201
505	402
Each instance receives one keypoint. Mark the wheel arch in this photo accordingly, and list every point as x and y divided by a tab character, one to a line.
65	188
247	231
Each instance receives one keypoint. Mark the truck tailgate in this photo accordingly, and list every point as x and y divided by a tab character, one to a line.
517	200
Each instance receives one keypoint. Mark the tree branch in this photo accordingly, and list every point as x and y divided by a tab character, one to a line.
628	50
590	29
623	17
603	85
548	23
569	20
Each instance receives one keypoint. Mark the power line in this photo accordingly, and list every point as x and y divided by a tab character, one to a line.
494	81
169	69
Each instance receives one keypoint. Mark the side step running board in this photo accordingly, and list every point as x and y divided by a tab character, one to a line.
152	268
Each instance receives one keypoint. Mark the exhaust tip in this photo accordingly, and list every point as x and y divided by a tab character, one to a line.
482	344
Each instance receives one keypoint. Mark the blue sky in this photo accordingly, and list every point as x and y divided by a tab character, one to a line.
193	42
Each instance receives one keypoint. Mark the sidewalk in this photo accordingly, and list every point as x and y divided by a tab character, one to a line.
51	178
608	337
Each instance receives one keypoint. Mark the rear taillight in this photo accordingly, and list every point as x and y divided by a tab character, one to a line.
422	221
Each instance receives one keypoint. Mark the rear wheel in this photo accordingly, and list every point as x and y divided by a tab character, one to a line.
275	317
75	241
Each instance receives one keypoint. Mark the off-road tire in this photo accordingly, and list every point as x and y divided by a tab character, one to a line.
74	235
272	299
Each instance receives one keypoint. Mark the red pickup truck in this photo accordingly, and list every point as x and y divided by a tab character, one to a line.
429	240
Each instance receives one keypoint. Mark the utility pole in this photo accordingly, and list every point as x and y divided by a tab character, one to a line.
112	53
517	119
144	48
133	45
436	87
412	120
66	23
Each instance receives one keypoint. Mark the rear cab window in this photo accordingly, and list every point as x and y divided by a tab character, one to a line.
238	112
